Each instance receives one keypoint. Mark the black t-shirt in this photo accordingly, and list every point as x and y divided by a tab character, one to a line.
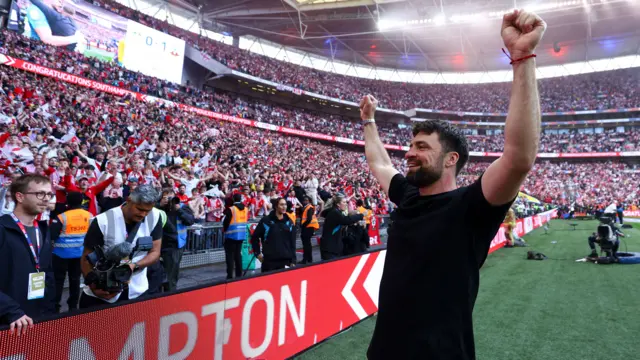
31	231
95	238
436	246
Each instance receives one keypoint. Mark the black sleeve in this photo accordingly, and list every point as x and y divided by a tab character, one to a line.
186	215
485	219
349	219
400	189
55	229
156	233
227	219
294	259
94	237
103	166
9	309
257	236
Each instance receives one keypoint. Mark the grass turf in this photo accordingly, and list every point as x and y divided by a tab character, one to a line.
554	309
100	54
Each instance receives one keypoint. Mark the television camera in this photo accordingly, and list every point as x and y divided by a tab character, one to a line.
110	272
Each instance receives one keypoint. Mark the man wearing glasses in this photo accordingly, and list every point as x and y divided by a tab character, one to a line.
27	286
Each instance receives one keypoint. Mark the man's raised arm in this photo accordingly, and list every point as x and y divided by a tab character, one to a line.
377	157
521	33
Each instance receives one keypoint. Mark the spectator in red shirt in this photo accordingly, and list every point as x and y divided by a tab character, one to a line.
89	201
182	194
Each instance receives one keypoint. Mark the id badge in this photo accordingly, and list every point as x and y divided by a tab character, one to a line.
36	286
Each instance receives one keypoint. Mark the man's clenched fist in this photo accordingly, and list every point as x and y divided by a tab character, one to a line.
521	32
368	106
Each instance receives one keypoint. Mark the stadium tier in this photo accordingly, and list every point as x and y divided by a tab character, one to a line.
596	91
140	134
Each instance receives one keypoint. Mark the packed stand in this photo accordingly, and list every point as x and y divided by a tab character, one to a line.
594	184
336	125
596	91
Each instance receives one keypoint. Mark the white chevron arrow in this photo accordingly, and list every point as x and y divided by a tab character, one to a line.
372	282
348	294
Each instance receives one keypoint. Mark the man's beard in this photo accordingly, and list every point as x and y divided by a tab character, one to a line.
426	175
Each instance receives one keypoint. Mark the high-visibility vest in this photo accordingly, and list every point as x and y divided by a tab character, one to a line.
314	220
75	224
113	227
292	216
238	226
367	214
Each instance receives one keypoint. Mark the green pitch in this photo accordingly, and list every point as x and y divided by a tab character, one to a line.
102	55
531	310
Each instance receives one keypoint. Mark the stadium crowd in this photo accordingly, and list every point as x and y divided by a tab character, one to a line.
46	122
244	107
595	91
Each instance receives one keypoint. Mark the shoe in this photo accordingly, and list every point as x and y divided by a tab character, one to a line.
593	255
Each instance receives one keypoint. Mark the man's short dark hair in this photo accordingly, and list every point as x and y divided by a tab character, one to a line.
21	184
450	138
237	197
74	200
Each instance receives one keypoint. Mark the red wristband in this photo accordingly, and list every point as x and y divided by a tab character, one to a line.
513	61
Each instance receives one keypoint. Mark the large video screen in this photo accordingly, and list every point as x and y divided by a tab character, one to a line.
96	32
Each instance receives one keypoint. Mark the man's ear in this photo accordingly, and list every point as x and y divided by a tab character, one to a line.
451	159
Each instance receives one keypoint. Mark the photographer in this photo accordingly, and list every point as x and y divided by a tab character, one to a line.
174	235
129	236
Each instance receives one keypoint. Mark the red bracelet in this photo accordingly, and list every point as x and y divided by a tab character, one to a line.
518	60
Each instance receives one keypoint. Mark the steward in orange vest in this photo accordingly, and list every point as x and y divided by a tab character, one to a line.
308	225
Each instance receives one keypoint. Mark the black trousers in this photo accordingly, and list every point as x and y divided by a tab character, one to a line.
171	262
62	267
87	301
620	217
305	235
274	265
233	256
614	248
155	276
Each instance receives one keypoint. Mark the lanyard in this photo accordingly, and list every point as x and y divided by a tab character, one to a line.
35	249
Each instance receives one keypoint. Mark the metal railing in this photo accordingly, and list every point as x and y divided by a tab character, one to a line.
205	242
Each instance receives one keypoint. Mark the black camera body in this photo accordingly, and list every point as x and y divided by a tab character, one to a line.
110	273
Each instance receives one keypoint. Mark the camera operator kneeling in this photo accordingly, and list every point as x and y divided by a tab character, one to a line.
607	237
118	247
275	232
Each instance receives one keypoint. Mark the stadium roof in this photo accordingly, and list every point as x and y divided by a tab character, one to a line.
441	35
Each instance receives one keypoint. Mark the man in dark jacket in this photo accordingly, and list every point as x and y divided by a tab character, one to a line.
27	285
331	245
174	236
275	233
